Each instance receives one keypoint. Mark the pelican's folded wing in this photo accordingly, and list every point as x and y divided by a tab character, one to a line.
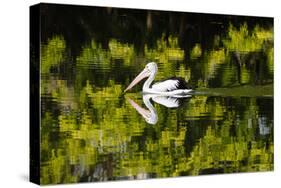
170	102
167	85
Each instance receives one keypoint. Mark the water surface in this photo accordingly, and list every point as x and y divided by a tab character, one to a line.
90	131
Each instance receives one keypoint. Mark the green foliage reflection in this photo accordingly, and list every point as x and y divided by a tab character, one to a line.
52	53
244	41
90	133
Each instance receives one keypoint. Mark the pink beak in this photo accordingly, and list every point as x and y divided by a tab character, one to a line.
141	76
145	113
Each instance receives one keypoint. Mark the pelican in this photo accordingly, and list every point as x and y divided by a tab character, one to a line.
150	114
174	86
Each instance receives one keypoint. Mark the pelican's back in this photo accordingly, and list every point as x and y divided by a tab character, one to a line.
171	84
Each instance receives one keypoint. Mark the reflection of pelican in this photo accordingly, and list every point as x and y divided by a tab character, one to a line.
150	115
169	87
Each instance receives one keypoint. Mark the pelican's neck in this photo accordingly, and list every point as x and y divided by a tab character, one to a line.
148	82
146	100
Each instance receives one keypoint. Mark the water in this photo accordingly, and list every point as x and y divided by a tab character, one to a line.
92	131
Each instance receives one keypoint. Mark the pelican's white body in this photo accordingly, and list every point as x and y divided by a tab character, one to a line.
165	88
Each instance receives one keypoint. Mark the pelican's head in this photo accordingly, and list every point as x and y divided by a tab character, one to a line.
150	69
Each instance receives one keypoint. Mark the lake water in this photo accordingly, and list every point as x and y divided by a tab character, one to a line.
92	131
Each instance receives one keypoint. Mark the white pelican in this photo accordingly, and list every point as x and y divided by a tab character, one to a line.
170	87
150	114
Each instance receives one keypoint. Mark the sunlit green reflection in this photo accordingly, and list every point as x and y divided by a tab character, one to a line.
90	133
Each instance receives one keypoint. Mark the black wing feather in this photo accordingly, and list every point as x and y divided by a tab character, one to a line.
182	84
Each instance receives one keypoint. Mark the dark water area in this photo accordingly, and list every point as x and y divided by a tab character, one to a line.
92	131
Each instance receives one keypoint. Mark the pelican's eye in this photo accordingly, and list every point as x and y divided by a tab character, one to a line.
147	68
